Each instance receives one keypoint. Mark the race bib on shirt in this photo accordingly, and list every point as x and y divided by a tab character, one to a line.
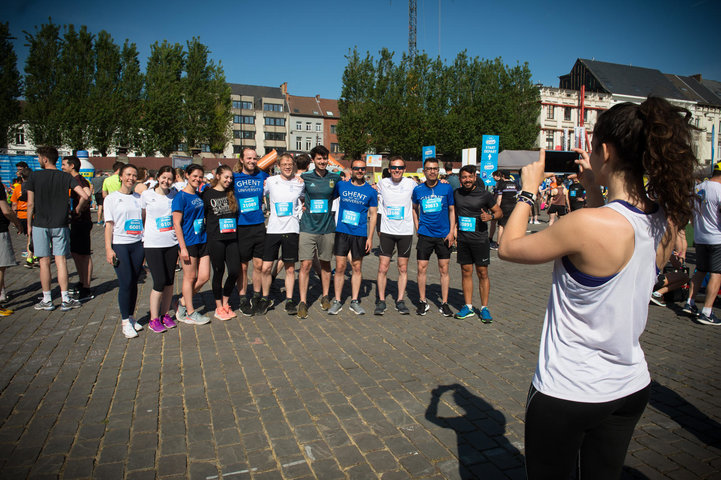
572	193
395	213
199	226
134	226
164	224
432	204
249	205
350	217
467	224
227	225
319	206
284	209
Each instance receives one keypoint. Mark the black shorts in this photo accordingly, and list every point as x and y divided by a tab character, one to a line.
708	258
559	209
199	250
506	213
390	241
345	243
80	238
250	241
427	245
99	199
274	242
477	253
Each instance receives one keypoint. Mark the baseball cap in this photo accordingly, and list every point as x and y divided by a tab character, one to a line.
717	167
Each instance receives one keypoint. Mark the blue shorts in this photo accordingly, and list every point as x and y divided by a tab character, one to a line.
51	241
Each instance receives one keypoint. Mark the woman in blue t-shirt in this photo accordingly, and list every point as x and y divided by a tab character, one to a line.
189	224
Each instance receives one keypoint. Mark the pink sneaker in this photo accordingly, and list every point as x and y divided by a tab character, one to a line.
230	311
221	314
168	322
157	326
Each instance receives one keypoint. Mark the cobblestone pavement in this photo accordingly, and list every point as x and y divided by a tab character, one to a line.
326	397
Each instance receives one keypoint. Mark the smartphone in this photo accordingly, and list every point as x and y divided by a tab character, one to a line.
558	161
116	262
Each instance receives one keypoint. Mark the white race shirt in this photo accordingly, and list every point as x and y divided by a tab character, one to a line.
397	209
159	231
284	200
707	214
127	216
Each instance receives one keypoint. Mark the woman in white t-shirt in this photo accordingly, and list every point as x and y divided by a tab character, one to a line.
123	244
161	247
592	382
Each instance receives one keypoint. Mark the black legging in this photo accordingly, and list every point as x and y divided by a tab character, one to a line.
161	262
130	262
562	435
222	253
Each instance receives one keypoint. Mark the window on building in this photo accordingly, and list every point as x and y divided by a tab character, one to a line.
275	122
20	138
244	119
307	126
549	141
307	143
317	127
205	148
236	133
237	149
236	104
332	129
299	125
247	134
273	107
585	116
567	113
298	143
709	137
550	113
182	147
278	136
334	148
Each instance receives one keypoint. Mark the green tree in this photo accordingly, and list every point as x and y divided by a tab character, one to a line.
104	101
10	86
220	128
163	112
43	112
130	101
354	128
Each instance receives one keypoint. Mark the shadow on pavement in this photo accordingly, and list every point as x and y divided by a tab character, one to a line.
483	450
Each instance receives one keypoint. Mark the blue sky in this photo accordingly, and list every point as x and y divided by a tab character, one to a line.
304	43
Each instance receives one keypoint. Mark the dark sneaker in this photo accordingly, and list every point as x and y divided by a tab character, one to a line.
70	304
325	302
261	306
380	308
446	310
657	299
84	294
422	308
335	307
245	307
29	263
75	288
494	245
690	309
254	302
302	310
356	308
485	315
708	319
290	307
401	307
465	312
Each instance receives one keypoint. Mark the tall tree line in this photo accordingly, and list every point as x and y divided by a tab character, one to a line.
398	107
85	91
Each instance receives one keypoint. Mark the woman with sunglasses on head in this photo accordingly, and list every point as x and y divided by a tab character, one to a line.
123	216
592	382
189	224
161	247
221	212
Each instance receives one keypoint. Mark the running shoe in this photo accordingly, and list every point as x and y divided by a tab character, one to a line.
380	308
195	318
221	314
5	312
42	305
401	307
485	315
325	303
356	308
465	312
29	263
230	311
75	288
261	306
245	307
690	309
708	319
168	322
70	304
446	310
335	307
657	299
422	308
156	325
290	307
129	331
180	312
494	245
302	310
137	326
84	294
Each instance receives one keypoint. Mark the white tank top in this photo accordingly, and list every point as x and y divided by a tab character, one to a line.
589	345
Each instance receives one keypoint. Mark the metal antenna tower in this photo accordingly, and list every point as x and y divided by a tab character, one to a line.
412	28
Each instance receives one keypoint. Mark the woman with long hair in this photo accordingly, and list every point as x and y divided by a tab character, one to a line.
221	212
123	244
189	224
161	247
592	382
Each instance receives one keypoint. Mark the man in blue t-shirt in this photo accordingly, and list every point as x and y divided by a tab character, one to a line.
248	182
435	220
353	232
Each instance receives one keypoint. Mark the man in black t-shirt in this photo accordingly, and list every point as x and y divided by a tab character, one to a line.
80	227
506	191
474	207
576	195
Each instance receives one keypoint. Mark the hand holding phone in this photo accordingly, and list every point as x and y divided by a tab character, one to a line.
562	162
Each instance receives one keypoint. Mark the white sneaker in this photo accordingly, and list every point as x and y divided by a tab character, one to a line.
129	331
195	318
138	327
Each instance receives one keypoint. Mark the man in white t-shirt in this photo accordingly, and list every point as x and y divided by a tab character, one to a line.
396	231
284	192
707	237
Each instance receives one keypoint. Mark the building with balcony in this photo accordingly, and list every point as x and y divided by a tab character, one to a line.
260	119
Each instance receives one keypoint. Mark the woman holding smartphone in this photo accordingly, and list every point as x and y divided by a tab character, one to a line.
161	247
189	224
592	382
123	244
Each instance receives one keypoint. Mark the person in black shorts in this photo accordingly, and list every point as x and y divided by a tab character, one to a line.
80	227
474	207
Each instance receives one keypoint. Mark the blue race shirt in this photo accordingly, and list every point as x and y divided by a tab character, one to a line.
193	217
353	205
433	209
249	194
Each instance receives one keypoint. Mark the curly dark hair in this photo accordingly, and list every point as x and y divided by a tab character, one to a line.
654	139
